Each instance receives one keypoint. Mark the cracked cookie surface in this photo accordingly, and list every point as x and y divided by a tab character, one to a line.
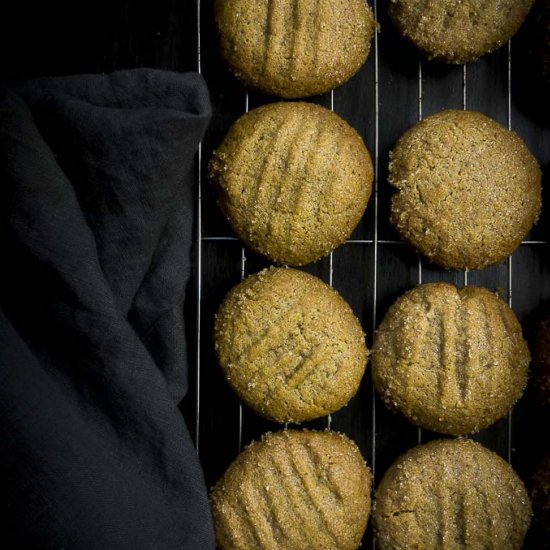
468	189
294	489
293	179
458	31
452	361
289	345
294	49
451	494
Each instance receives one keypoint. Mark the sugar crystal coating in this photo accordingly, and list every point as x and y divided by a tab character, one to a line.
452	361
289	345
467	189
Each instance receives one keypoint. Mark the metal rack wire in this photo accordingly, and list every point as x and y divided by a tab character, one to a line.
373	242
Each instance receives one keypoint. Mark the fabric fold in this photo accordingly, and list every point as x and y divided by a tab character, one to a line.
97	199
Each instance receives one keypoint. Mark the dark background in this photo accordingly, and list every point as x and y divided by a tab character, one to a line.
371	270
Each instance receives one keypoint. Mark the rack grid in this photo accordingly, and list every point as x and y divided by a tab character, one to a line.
391	92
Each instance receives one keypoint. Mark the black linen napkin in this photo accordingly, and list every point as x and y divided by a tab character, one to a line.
96	199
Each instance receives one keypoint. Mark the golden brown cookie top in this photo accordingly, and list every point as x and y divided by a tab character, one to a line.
458	31
452	361
468	189
289	345
294	49
293	179
450	494
294	489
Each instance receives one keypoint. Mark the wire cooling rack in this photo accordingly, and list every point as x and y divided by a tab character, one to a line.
395	89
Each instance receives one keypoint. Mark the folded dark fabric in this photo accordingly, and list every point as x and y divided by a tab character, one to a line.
96	199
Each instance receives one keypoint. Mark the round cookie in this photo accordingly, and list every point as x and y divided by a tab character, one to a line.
293	179
458	32
450	493
294	49
541	497
468	190
452	361
294	489
289	345
541	362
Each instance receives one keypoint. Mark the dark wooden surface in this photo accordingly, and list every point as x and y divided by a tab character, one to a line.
103	36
